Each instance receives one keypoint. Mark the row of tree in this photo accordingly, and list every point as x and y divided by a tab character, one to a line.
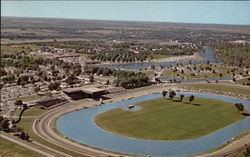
172	94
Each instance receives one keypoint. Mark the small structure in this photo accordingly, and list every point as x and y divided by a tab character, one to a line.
51	102
131	106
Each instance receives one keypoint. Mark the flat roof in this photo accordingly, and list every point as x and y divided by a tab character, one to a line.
92	90
115	89
68	90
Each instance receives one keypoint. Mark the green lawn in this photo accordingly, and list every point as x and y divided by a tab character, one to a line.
215	87
10	149
162	119
27	98
32	111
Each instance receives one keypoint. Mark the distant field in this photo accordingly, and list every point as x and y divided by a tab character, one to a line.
10	149
223	88
162	119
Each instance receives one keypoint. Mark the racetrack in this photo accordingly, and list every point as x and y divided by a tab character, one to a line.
44	127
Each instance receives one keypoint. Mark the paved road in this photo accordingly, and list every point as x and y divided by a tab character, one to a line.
44	127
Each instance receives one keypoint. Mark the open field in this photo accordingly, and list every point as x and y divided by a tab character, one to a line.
10	149
216	87
161	119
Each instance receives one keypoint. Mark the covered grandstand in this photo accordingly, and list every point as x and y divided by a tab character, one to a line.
92	92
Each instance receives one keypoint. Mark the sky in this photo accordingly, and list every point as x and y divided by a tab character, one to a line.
214	12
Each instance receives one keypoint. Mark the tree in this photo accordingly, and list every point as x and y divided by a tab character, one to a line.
239	106
172	94
164	93
22	135
191	98
37	89
247	152
72	79
91	79
54	86
181	97
5	125
18	102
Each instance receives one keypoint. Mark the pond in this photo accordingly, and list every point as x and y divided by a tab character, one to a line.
80	126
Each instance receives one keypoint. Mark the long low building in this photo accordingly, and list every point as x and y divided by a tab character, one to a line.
91	92
50	102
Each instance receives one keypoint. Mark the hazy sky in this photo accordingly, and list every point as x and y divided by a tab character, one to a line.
222	12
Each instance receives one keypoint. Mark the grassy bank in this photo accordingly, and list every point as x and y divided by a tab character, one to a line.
10	149
161	119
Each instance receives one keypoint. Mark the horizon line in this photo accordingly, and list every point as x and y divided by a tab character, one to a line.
136	21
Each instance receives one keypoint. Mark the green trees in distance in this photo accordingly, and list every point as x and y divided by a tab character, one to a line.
123	56
126	79
233	54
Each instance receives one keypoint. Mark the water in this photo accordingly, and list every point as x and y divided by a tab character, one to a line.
80	126
207	54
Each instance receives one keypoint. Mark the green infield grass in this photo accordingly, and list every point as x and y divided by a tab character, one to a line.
163	119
